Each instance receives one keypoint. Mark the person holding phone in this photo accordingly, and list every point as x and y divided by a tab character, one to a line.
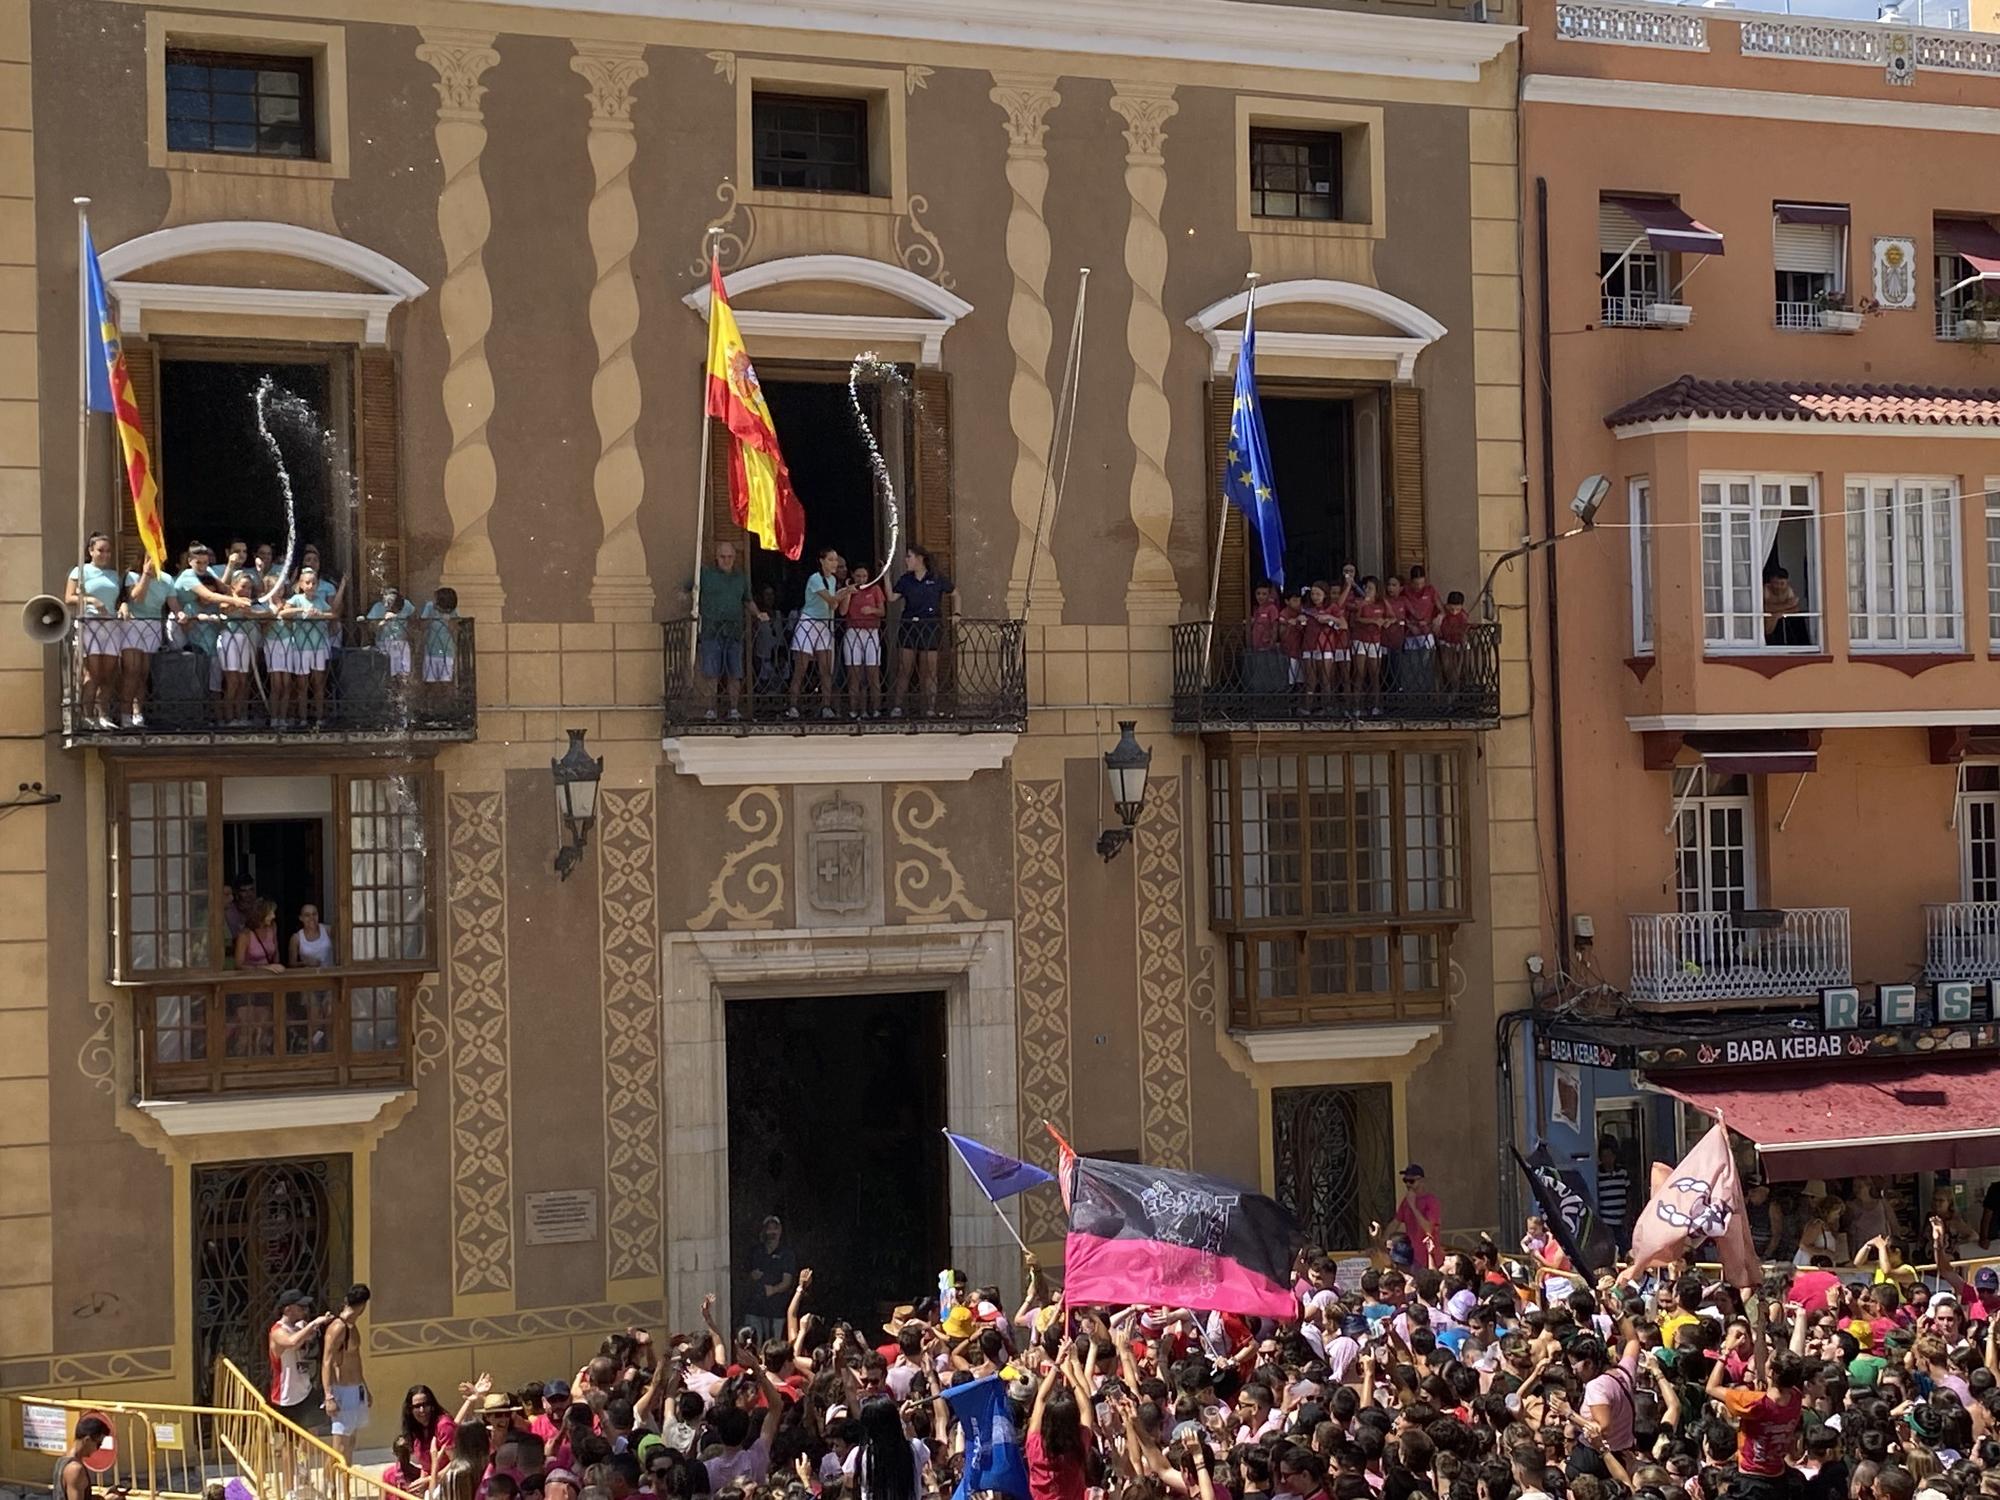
72	1470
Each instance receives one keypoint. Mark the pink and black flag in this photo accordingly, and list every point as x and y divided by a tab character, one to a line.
1142	1234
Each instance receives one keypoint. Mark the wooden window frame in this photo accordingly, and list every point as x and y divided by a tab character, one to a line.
1329	140
339	1066
121	775
304	68
858	108
1227	755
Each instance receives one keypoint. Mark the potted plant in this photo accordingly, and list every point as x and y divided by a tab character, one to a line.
1669	314
1835	315
1979	320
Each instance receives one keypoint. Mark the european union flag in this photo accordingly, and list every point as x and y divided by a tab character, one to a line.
1247	483
994	1459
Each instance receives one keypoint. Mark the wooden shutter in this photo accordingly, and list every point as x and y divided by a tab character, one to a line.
1232	599
722	525
930	516
1406	477
379	440
142	363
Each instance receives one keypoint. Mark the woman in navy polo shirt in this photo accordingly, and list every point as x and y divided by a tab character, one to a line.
921	631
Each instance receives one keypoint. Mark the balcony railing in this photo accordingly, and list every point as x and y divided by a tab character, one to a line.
259	1031
1962	940
1740	955
1233	680
214	680
974	680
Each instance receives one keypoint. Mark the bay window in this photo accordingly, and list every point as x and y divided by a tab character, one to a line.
1759	562
1902	563
1337	876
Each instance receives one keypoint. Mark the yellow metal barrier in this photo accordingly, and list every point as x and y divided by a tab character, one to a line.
180	1452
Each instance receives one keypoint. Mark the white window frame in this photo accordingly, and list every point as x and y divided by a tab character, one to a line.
1806	314
1992	487
1880	623
1983	806
1639	514
1696	807
1760	522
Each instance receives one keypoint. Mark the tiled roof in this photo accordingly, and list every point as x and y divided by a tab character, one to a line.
1804	401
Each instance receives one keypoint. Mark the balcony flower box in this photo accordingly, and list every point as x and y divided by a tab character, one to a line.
1668	315
1839	320
1978	330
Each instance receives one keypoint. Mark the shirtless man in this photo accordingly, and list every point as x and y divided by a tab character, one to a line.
341	1375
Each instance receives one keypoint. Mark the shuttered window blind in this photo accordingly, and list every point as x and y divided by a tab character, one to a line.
1616	229
1806	247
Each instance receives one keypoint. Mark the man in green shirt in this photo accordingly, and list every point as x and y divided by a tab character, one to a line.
723	603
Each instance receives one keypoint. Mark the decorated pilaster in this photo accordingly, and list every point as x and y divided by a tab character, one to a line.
621	588
465	302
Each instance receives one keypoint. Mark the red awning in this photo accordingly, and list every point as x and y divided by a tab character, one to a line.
1810	213
1668	228
1750	752
1976	242
1867	1119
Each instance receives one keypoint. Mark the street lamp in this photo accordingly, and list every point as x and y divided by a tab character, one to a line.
1589	496
1125	766
576	777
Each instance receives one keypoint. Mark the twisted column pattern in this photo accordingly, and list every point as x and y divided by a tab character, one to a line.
1030	408
621	588
1154	597
465	302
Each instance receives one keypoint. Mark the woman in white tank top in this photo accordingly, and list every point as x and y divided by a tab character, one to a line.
312	944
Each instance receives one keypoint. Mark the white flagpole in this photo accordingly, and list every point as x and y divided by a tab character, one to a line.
1222	517
82	372
701	489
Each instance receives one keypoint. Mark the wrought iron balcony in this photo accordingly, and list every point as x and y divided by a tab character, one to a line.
1740	955
1225	679
214	680
974	681
1962	940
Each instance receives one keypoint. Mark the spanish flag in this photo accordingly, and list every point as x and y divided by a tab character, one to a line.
760	489
108	387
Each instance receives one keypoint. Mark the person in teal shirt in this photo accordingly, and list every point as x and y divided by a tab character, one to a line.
812	637
441	637
388	625
150	601
236	648
94	595
308	646
203	601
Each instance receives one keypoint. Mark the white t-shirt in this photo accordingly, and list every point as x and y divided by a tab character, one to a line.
920	1456
752	1461
900	1377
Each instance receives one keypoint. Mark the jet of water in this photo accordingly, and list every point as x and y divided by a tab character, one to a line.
295	411
874	367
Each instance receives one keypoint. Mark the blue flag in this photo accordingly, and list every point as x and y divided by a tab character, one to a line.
994	1458
998	1175
96	318
1247	483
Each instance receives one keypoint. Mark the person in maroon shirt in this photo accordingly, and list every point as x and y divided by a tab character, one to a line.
1454	628
1368	617
1395	631
1420	612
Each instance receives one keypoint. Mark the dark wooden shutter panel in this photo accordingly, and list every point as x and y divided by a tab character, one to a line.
1406	476
722	525
931	516
381	447
1232	599
142	363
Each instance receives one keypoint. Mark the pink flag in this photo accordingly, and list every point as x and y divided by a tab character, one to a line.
1701	1199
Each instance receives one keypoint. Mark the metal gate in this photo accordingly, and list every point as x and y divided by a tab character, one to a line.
260	1229
1334	1150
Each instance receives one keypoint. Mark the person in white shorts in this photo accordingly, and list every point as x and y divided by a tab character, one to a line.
862	604
389	618
312	624
236	648
149	601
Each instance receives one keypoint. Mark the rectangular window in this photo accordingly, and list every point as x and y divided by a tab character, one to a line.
239	104
1760	562
812	145
387	870
1993	564
168	901
1809	258
1979	831
1714	860
1902	563
1639	512
1632	274
1294	174
1968	292
297	1030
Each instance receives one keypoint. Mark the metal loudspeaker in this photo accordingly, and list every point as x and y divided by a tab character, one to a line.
46	619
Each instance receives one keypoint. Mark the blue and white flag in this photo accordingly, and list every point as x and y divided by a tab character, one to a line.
994	1457
998	1174
1246	482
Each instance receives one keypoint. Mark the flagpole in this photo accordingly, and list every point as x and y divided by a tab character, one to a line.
701	484
1222	517
82	372
1004	1220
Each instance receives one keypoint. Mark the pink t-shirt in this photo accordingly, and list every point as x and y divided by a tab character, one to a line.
1052	1479
1428	1251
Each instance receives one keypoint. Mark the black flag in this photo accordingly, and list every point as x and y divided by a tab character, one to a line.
1568	1212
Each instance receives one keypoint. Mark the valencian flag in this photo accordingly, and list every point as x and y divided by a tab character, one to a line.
1701	1199
108	387
760	487
1144	1234
1246	482
994	1458
1568	1212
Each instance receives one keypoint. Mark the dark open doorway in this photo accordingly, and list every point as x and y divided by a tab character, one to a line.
286	859
827	455
218	478
1312	454
836	1107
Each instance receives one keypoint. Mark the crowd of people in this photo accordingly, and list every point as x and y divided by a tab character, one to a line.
1349	647
1417	1372
833	640
258	639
